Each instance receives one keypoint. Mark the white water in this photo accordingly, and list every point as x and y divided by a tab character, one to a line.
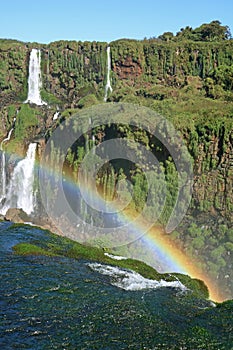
115	257
20	190
56	115
108	84
93	144
7	138
3	166
130	280
3	176
34	79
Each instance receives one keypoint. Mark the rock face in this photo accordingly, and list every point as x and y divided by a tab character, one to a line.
16	215
14	58
213	181
72	71
127	68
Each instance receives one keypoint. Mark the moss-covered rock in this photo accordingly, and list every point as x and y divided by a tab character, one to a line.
61	246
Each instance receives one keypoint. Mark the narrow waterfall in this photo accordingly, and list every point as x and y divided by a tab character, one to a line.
93	144
108	83
56	115
34	79
3	177
7	138
3	167
20	190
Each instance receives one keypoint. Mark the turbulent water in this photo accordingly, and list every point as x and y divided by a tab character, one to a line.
3	167
61	303
130	280
20	189
3	177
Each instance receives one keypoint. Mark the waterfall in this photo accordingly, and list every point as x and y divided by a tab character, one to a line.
93	144
108	83
20	190
7	138
3	167
3	176
34	79
56	115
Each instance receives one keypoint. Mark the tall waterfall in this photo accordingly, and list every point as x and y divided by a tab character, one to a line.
34	79
20	190
3	177
108	83
3	167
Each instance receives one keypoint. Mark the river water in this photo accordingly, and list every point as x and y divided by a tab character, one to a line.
61	303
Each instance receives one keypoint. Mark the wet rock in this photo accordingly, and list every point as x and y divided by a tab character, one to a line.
16	215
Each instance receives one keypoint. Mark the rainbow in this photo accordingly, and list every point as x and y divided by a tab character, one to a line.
171	257
181	262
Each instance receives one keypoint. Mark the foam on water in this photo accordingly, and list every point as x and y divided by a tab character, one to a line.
115	257
132	281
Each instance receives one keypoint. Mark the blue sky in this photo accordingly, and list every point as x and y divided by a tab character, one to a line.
46	21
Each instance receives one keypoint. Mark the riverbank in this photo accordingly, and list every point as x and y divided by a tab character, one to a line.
66	247
49	301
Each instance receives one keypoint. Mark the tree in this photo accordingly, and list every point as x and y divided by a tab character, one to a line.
230	235
198	243
213	31
140	190
223	76
185	33
167	36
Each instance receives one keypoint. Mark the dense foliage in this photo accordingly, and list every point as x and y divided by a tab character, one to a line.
213	31
187	77
60	246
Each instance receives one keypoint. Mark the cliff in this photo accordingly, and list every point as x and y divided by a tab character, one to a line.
181	80
72	70
188	82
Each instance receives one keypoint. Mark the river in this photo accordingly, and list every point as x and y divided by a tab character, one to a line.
61	303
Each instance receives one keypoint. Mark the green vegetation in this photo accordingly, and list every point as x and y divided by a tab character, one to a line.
213	31
212	242
50	98
12	66
31	249
61	246
26	120
78	68
87	101
186	77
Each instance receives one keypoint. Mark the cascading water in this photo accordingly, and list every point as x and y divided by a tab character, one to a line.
93	143
3	167
7	138
34	79
108	83
20	190
3	177
56	115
